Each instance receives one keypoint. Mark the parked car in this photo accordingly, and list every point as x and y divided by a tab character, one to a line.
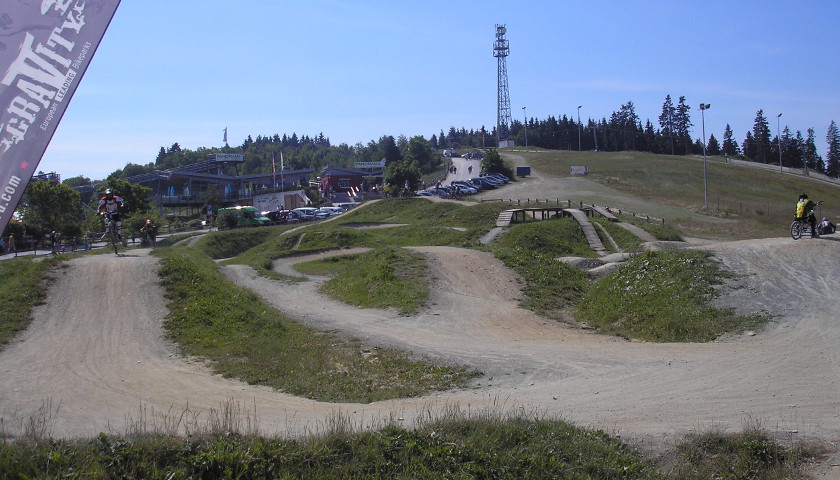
485	183
499	176
493	180
464	188
293	216
468	184
332	211
425	193
241	216
277	216
309	213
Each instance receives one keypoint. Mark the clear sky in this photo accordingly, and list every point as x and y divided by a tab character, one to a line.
182	71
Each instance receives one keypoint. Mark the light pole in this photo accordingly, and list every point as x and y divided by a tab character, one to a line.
703	108
779	136
579	127
525	125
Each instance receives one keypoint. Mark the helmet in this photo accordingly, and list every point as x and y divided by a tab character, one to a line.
108	191
825	219
803	195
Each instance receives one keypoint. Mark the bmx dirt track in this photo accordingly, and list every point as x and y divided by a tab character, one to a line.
95	358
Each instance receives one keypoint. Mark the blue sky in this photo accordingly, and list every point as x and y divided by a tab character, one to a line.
182	71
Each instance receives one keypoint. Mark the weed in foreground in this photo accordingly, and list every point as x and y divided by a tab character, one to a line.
448	444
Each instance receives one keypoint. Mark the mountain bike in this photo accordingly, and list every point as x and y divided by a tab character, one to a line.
148	239
111	226
801	226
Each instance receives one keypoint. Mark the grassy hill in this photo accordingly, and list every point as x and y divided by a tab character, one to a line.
760	200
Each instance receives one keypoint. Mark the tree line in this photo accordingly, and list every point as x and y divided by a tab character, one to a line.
623	130
408	159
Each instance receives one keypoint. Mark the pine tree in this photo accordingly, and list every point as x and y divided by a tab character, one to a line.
730	146
666	121
832	167
682	126
749	146
812	158
760	137
712	147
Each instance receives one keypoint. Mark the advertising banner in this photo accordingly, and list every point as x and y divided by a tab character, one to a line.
45	48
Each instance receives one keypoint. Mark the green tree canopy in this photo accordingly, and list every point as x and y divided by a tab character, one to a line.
77	181
135	196
421	153
51	206
389	149
400	173
493	163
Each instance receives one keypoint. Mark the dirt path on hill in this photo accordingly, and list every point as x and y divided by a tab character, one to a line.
96	356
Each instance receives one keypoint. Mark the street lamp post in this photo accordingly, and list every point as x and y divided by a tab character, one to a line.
579	127
779	136
703	108
525	115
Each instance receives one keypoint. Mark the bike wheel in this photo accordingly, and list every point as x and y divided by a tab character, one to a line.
796	230
115	241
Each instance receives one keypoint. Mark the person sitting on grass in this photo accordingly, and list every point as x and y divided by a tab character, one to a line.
826	227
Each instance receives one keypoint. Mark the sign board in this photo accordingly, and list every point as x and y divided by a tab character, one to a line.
579	170
228	157
45	49
369	165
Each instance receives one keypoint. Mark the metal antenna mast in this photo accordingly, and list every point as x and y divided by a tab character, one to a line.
501	51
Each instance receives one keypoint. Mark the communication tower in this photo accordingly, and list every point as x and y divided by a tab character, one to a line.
501	51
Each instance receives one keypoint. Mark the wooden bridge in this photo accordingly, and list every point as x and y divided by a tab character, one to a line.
581	215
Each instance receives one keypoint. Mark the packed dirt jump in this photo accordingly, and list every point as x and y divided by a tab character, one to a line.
95	358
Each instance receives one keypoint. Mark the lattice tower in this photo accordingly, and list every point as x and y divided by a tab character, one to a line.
503	121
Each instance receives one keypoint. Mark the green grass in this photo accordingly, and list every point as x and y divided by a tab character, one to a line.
426	223
25	280
663	297
383	278
665	232
532	249
330	266
626	241
453	446
229	243
247	339
761	201
749	454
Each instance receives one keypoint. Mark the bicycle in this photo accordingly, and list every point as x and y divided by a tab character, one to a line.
148	239
113	238
801	226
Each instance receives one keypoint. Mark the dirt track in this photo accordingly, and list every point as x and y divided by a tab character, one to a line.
96	352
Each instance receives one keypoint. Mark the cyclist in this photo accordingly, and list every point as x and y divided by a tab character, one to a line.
826	227
150	231
111	204
805	210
